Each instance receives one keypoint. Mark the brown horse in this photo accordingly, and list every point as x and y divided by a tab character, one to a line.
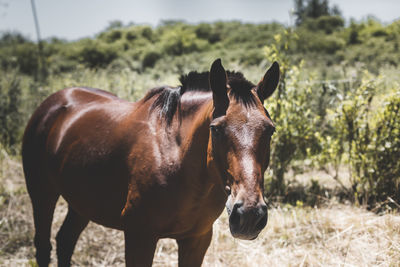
162	167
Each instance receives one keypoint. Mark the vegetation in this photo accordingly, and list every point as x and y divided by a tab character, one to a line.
321	124
316	9
336	111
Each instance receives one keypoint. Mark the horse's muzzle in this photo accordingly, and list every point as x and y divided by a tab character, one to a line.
247	222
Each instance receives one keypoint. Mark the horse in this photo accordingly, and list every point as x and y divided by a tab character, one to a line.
162	167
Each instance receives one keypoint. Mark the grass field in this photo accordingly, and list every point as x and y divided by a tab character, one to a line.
332	234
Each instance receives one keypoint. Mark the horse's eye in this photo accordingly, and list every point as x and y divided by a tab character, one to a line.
271	131
216	130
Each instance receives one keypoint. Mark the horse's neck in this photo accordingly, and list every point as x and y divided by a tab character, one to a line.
195	145
195	129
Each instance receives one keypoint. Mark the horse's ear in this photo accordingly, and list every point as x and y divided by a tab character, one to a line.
268	84
218	81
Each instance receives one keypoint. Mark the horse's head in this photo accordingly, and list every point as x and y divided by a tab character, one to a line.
239	146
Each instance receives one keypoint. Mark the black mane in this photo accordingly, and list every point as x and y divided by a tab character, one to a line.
168	98
195	81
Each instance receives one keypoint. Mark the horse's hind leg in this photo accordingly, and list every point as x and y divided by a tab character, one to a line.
43	204
68	235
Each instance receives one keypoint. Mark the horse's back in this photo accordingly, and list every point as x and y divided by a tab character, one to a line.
55	109
73	145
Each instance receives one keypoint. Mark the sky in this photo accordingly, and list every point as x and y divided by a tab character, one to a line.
74	19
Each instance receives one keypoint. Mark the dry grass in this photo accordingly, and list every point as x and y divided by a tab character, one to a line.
331	235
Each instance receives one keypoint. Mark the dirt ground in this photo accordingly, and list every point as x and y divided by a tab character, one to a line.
332	234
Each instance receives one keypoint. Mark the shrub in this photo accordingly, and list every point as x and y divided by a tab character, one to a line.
291	111
12	38
10	111
353	35
203	31
26	56
376	155
208	32
319	43
381	166
150	58
329	24
96	54
366	136
147	32
326	24
180	41
111	35
373	28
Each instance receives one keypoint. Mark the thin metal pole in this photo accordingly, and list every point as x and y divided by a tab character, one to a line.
36	20
40	44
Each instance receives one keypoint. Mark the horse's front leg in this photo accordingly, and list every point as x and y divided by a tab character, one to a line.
192	250
139	248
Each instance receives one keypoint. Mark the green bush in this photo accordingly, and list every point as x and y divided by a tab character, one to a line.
318	43
111	35
354	33
26	56
365	135
95	54
10	112
381	166
12	38
181	41
290	109
147	33
327	24
150	58
203	31
375	154
373	28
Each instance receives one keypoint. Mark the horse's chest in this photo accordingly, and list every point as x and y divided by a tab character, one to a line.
172	196
194	215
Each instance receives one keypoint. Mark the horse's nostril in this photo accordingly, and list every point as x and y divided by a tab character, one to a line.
264	208
237	205
246	222
262	222
235	217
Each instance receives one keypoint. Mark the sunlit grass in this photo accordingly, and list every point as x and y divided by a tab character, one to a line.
332	234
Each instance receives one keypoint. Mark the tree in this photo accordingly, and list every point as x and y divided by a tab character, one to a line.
306	9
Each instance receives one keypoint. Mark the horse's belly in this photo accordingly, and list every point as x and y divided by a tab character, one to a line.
100	199
90	173
95	186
